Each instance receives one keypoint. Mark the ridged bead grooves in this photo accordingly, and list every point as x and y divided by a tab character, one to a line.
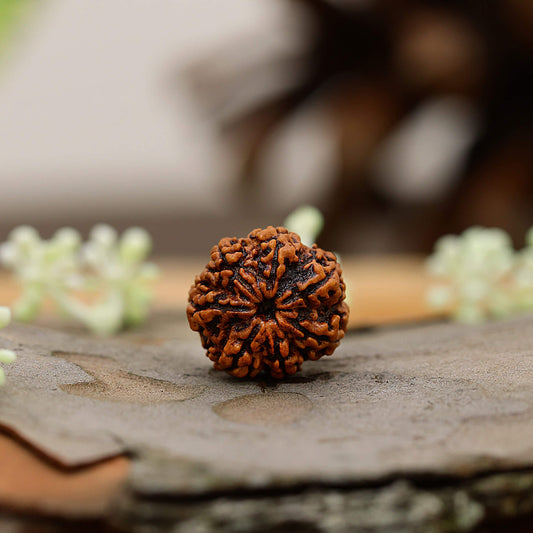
268	303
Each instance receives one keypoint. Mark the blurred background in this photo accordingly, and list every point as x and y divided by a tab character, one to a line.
401	120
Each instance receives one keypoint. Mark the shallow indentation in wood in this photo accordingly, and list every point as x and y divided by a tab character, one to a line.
265	409
113	384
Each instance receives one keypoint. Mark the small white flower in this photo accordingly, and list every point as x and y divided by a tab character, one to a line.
67	239
8	254
24	236
439	296
135	245
469	314
7	356
307	221
474	290
103	235
5	316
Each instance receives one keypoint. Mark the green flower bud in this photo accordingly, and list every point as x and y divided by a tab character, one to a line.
28	306
8	254
135	245
104	235
7	356
439	296
67	239
307	221
24	236
469	314
5	316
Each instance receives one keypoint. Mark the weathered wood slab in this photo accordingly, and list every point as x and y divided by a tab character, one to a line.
440	400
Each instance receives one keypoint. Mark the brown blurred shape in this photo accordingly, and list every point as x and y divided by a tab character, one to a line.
371	65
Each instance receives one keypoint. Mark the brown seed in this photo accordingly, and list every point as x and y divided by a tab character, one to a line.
267	303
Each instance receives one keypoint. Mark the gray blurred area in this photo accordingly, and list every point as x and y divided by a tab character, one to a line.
400	120
98	123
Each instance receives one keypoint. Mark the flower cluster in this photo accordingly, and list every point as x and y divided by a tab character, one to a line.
107	265
6	356
481	275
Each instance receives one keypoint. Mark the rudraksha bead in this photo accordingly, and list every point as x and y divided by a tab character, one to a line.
268	303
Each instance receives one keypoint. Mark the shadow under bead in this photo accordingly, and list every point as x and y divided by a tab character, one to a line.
268	303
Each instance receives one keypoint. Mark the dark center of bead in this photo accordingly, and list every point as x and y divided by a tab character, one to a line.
266	309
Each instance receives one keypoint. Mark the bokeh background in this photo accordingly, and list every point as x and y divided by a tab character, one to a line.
401	120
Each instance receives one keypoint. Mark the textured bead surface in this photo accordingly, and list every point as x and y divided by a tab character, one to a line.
268	303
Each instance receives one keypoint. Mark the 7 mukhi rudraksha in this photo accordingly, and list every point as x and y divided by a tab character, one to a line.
268	303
